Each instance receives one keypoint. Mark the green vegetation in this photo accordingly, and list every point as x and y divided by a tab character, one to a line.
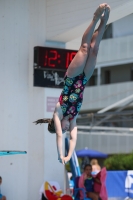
68	165
119	162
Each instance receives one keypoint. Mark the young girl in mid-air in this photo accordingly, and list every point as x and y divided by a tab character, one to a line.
78	73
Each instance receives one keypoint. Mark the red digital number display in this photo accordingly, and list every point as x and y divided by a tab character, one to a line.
45	57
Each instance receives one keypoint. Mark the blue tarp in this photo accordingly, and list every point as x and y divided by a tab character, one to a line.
120	184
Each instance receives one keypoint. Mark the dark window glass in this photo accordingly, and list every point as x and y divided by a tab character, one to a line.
92	81
131	74
107	77
108	32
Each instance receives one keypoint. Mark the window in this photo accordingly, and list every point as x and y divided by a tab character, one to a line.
108	32
131	74
93	80
107	77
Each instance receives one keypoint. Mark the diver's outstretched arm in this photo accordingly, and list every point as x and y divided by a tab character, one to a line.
73	139
58	135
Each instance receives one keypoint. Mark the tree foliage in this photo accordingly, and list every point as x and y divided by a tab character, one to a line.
119	162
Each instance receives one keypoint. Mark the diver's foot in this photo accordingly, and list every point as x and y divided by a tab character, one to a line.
105	15
99	11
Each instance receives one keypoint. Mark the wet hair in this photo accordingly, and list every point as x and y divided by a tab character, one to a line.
87	165
0	177
51	127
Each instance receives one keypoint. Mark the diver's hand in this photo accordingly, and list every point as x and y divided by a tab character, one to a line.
63	159
66	159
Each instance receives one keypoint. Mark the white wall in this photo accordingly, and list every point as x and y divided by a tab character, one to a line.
53	170
22	26
98	97
109	143
120	73
67	20
123	26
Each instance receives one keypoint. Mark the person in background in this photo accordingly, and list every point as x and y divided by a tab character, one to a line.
95	166
85	161
87	181
100	174
1	196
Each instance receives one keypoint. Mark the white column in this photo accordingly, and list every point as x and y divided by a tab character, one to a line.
53	169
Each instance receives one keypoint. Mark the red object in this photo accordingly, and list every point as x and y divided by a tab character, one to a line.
97	186
54	187
55	58
101	189
66	197
52	196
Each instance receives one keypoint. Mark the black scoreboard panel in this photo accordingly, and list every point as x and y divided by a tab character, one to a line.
49	78
50	65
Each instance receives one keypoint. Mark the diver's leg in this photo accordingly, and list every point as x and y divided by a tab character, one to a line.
78	63
94	46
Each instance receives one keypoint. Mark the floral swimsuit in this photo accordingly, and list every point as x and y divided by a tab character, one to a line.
72	95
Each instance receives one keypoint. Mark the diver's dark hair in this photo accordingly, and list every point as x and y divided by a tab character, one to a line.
87	165
0	177
51	127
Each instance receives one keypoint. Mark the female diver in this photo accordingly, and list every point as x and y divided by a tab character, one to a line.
77	75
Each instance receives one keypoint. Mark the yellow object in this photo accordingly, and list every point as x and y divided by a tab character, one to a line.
58	193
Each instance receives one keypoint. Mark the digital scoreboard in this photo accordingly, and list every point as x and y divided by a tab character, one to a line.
50	65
